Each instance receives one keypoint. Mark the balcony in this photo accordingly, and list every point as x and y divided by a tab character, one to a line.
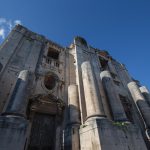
52	62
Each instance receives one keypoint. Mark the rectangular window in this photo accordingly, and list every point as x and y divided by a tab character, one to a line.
103	63
127	107
54	54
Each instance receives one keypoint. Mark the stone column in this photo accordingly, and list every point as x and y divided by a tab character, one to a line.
104	101
19	99
93	101
140	102
13	122
117	109
145	93
72	140
74	104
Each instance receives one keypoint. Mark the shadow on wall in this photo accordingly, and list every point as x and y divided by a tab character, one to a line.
71	133
74	117
1	67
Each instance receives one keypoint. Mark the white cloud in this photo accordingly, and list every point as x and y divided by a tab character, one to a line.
2	20
10	26
6	26
17	22
2	33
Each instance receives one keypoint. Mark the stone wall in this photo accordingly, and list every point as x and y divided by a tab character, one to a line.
103	110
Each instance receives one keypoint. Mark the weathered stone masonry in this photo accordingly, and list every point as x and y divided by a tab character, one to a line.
68	98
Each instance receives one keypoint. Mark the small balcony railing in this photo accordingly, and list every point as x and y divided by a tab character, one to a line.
52	62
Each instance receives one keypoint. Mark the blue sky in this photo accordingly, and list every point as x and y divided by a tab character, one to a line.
120	26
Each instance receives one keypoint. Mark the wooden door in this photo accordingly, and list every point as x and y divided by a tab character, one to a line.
43	132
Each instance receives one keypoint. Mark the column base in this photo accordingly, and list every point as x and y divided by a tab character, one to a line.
71	138
103	134
12	132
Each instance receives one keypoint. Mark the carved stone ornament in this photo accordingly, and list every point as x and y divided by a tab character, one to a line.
47	104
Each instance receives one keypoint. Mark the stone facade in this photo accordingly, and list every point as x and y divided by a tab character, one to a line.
68	98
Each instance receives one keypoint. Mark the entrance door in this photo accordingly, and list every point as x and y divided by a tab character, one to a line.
42	135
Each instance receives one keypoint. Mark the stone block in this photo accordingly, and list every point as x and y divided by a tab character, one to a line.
13	132
102	134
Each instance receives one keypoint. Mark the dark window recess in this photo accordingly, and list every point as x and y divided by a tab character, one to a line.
57	64
50	81
115	79
73	131
103	63
1	67
127	107
117	82
53	53
113	75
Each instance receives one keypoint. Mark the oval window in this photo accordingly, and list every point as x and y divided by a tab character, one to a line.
50	81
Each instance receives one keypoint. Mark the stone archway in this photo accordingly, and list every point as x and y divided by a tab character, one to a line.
46	117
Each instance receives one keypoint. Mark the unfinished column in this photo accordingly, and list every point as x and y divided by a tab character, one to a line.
72	140
140	102
145	93
73	104
118	112
13	124
18	100
74	115
92	96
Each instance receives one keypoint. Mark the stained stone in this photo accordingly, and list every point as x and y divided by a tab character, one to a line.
83	109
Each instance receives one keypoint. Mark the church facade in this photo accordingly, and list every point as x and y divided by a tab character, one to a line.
68	98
